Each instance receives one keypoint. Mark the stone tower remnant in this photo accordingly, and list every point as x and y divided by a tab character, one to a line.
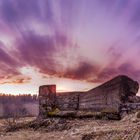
47	99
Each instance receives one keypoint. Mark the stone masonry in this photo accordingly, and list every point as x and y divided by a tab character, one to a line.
47	99
112	96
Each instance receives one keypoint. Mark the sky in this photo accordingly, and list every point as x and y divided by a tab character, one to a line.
75	44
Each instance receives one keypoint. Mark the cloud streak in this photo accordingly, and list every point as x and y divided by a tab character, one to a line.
92	41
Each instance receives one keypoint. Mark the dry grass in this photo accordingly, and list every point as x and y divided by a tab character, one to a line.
86	129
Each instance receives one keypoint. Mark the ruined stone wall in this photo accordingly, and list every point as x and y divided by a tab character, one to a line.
47	99
100	98
68	100
109	96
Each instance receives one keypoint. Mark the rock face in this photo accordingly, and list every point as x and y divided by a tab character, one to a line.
110	97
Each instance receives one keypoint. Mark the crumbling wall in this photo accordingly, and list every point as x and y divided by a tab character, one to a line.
108	97
100	98
68	101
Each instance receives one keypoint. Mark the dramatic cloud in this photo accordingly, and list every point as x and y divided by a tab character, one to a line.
90	41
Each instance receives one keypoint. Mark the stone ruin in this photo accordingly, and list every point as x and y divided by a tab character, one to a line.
111	99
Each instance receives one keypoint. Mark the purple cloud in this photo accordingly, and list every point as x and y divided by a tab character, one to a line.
57	38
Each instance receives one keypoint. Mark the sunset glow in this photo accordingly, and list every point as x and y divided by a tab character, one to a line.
75	44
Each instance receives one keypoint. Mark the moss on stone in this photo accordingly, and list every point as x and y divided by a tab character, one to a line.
54	112
109	110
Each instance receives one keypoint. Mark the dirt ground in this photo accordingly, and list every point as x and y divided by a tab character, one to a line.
87	129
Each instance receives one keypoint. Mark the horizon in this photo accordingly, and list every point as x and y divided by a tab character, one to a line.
65	91
76	45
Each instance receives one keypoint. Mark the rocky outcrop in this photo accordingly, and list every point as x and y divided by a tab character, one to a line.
109	98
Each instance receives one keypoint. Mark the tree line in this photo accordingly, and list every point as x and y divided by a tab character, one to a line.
18	105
